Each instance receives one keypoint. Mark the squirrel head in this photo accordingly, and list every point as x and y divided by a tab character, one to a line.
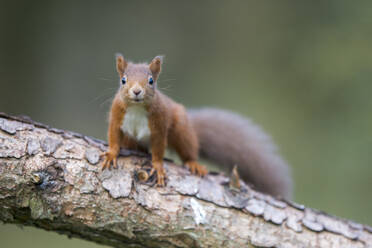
138	81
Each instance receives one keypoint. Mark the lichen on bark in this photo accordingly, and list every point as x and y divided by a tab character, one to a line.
51	179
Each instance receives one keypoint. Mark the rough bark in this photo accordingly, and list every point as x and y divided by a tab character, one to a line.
51	179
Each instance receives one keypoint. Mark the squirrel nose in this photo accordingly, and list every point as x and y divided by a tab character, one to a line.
137	92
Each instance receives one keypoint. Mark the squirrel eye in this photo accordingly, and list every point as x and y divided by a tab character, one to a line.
124	80
151	81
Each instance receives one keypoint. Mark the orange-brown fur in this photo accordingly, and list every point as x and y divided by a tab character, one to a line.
225	138
167	120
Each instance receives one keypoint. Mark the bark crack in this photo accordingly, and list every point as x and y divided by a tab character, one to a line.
51	179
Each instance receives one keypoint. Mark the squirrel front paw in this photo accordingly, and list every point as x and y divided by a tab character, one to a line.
197	168
110	156
160	172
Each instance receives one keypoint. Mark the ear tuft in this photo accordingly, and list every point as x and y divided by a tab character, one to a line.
155	65
121	64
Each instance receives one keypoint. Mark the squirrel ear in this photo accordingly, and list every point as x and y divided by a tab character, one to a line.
121	64
155	65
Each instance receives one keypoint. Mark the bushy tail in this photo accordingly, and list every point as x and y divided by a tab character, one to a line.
228	139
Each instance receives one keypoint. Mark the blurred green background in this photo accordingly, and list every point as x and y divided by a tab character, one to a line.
302	70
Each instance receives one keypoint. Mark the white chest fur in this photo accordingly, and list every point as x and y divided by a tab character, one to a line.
136	124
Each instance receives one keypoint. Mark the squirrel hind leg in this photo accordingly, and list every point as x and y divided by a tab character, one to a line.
196	168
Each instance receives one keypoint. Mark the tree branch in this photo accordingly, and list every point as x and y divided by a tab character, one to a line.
51	179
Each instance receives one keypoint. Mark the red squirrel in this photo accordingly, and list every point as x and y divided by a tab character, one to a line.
142	118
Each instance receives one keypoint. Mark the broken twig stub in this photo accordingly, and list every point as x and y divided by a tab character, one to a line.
51	179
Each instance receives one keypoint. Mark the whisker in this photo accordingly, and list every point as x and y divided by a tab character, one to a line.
103	94
104	77
105	101
167	88
97	98
168	79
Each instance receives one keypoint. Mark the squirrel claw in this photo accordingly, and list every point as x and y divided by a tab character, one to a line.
109	157
161	178
152	172
160	173
114	161
197	168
